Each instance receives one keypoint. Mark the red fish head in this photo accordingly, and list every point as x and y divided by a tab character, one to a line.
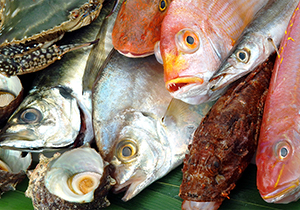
277	162
188	52
137	27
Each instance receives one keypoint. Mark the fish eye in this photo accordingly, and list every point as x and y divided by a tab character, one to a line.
126	150
213	165
243	55
162	5
283	149
187	41
31	115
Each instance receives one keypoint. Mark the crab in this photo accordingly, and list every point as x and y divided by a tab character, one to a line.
29	30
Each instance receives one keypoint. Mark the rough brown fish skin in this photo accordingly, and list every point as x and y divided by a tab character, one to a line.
226	139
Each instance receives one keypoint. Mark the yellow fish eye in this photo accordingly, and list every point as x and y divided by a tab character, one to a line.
162	5
187	41
126	150
243	55
283	150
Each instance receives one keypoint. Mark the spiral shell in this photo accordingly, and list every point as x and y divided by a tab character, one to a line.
77	179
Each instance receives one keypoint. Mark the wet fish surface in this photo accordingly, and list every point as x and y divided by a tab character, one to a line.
196	36
57	111
278	147
258	41
139	129
137	27
225	142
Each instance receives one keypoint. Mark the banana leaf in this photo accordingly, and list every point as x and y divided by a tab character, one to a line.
163	194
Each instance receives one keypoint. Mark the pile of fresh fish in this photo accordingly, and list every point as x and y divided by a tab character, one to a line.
119	118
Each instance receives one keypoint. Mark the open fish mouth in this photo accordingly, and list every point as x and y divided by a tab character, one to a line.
134	55
192	91
178	83
132	186
285	194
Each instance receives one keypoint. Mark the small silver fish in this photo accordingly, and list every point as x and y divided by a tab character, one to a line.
258	41
138	127
57	112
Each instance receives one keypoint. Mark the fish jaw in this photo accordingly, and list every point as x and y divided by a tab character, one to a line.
134	55
191	205
20	140
134	185
284	194
195	94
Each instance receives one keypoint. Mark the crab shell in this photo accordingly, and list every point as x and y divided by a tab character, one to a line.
50	180
11	95
29	30
12	168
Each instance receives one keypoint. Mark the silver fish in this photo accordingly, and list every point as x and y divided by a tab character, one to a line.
138	127
256	44
57	112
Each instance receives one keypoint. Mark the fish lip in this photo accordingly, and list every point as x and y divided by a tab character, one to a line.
23	143
133	186
282	193
196	93
178	83
135	55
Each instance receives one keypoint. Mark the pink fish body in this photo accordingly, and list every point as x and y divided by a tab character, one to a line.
196	36
137	27
278	153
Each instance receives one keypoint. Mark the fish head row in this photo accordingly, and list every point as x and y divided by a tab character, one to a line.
137	27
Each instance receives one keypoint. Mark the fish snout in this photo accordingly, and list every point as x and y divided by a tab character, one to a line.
281	194
178	83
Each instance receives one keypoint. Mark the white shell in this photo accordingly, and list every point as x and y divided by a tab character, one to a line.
68	168
11	85
14	160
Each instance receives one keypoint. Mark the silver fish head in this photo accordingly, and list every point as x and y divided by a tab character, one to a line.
135	151
242	60
46	119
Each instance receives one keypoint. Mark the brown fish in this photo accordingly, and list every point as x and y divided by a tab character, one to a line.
225	142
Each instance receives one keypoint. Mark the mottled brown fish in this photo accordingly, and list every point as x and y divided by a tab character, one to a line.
225	142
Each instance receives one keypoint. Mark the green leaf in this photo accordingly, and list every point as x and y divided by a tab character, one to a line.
163	194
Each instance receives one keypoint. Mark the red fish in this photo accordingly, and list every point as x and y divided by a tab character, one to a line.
137	27
225	142
196	36
278	153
